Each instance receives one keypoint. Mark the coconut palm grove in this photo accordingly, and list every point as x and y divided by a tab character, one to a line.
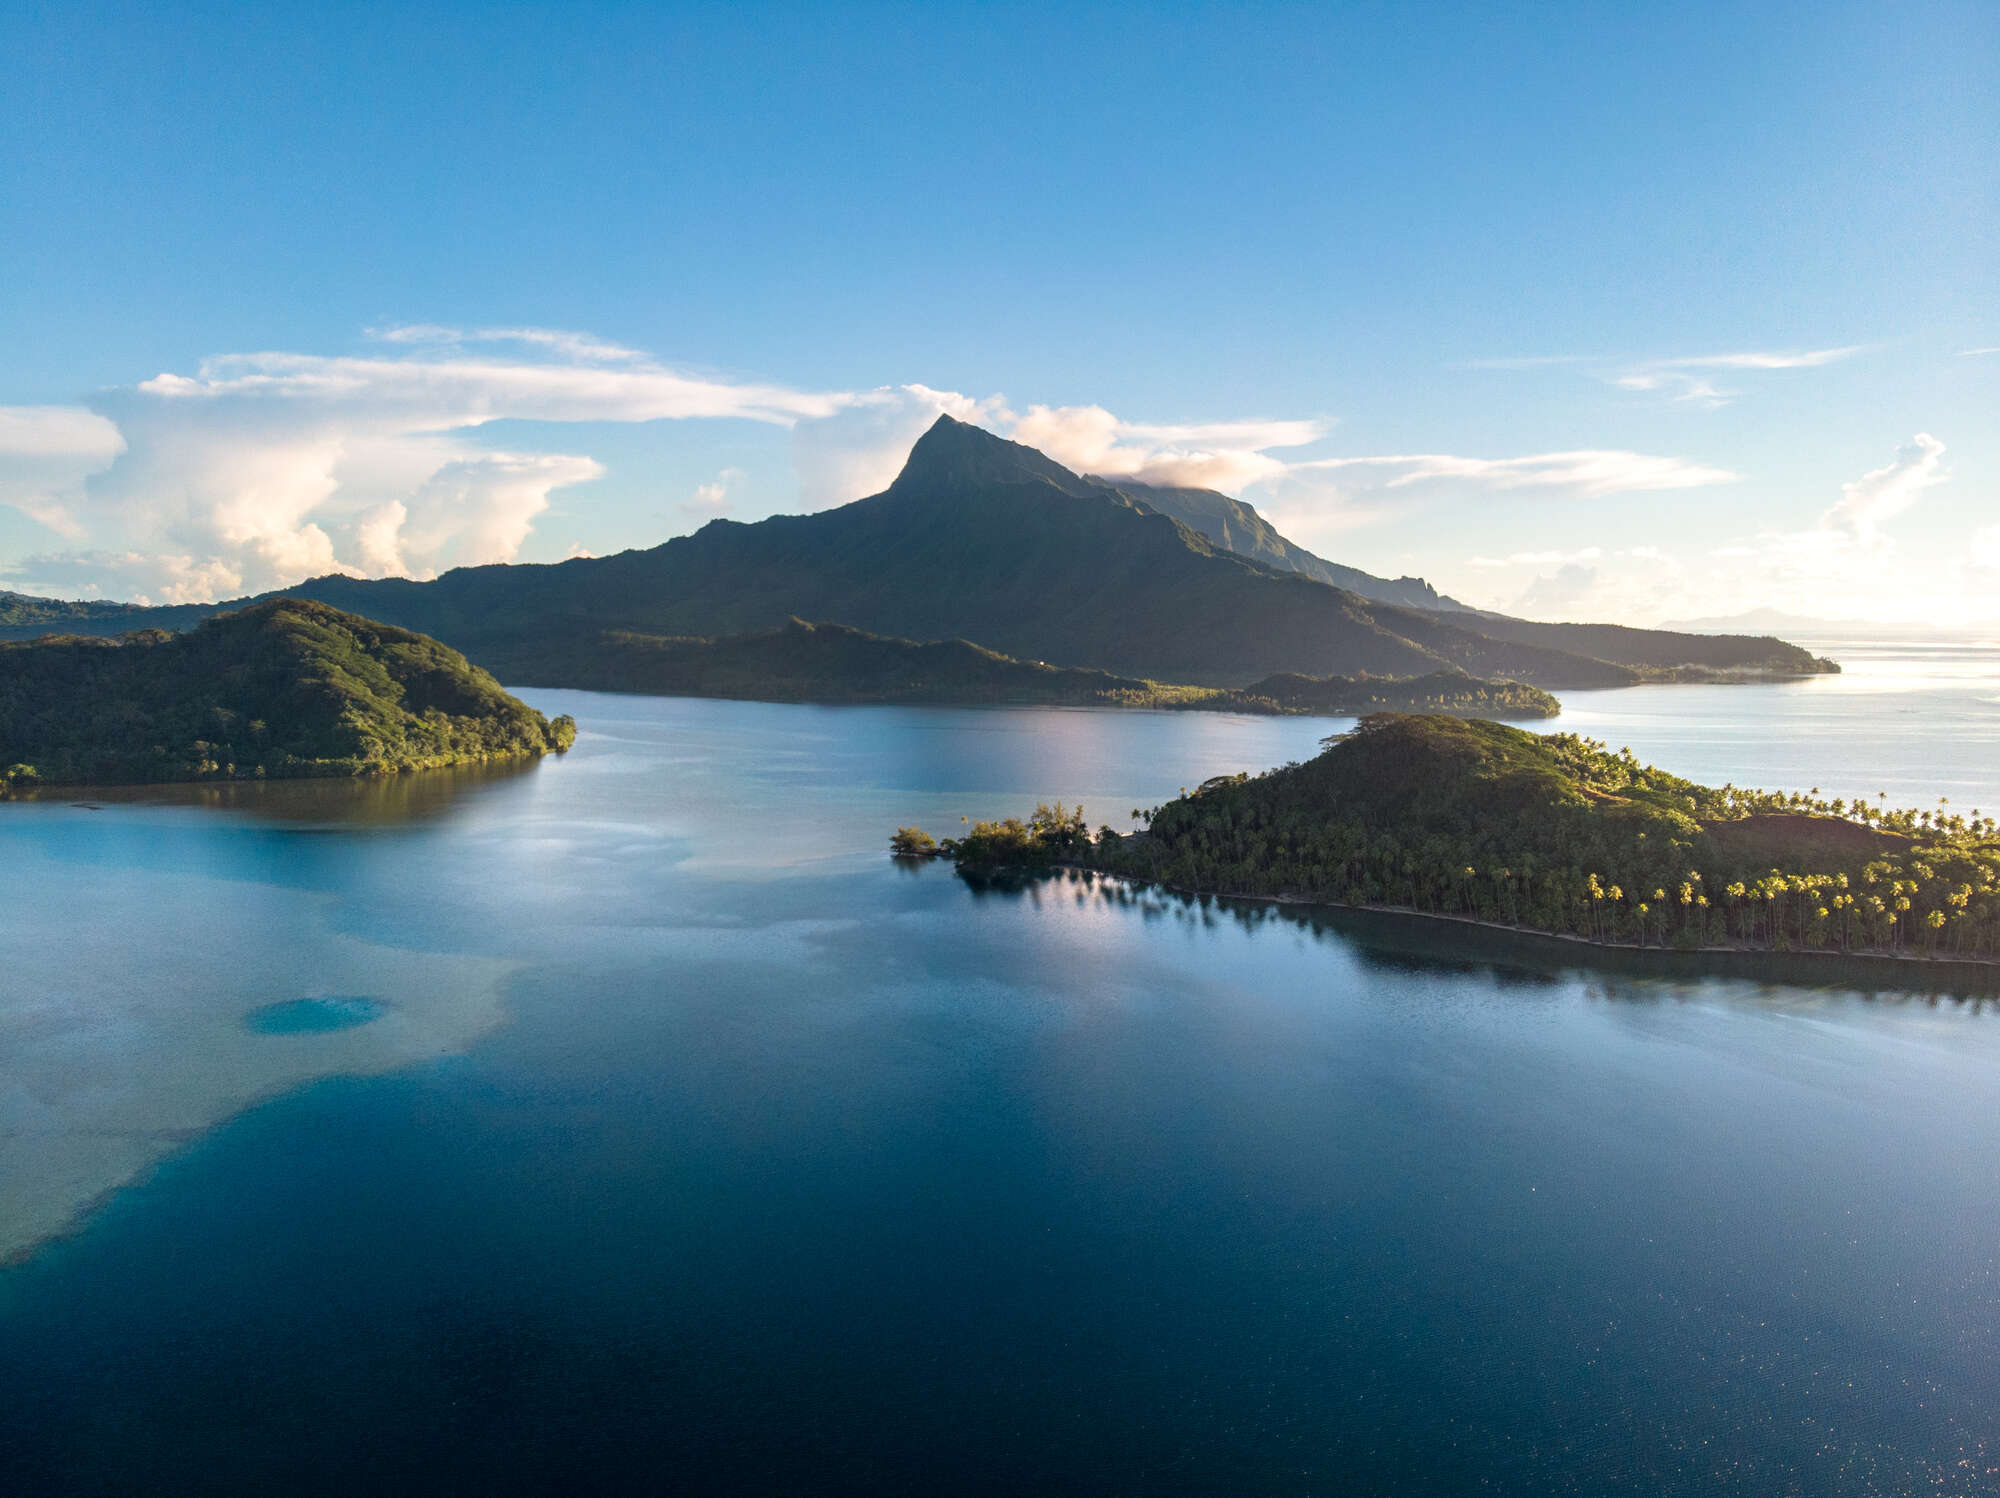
1553	833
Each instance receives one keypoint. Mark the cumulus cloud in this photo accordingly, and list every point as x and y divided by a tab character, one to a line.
46	454
1887	492
262	469
1216	455
712	498
859	449
150	577
1845	563
1558	592
1848	554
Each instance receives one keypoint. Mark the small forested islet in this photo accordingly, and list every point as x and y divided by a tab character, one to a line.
1553	833
281	689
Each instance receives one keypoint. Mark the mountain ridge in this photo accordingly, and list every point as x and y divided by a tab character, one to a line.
984	539
1238	526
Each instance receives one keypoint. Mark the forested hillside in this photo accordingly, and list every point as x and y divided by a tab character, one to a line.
285	688
804	662
1556	833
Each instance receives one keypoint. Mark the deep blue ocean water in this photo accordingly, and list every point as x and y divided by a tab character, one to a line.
696	1147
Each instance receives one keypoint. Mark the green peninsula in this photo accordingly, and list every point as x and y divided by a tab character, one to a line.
804	662
1552	833
284	688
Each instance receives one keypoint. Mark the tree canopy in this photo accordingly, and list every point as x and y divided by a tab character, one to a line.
1561	834
285	688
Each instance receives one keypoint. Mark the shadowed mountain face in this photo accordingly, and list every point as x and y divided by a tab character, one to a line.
983	539
805	662
1235	526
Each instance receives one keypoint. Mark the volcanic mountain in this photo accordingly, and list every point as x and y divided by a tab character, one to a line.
1235	526
986	540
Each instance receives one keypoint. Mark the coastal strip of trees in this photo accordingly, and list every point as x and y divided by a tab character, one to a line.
1557	834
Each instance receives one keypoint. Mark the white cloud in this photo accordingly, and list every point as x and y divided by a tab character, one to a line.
1677	379
1540	558
1888	491
260	469
129	576
1985	547
1683	386
579	346
1557	593
1225	455
1974	353
1680	378
439	394
479	509
859	449
712	498
1588	472
263	469
1802	359
1844	564
46	454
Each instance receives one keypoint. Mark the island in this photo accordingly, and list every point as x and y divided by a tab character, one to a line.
1475	821
807	662
281	689
983	539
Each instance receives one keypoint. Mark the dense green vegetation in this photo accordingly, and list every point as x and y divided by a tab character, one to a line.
804	662
285	688
1555	833
983	539
24	616
1439	692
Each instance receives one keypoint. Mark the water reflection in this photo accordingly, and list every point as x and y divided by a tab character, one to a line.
792	1170
360	801
1389	940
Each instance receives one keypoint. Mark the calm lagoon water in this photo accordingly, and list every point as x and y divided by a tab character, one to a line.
647	1130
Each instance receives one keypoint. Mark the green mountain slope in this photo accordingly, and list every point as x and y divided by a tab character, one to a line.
22	615
1236	526
1458	817
285	688
804	662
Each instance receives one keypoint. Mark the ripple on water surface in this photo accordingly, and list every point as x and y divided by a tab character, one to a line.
313	1016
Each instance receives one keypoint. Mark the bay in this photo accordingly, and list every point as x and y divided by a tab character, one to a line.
633	1124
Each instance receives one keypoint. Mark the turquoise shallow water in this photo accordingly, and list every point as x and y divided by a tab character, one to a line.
697	1147
313	1016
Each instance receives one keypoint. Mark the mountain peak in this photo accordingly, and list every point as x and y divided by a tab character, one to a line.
956	454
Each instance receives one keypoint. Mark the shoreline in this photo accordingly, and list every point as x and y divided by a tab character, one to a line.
1981	970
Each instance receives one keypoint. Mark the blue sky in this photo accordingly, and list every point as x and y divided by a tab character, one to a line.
1622	311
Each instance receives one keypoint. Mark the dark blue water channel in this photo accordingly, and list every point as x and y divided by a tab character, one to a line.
694	1147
